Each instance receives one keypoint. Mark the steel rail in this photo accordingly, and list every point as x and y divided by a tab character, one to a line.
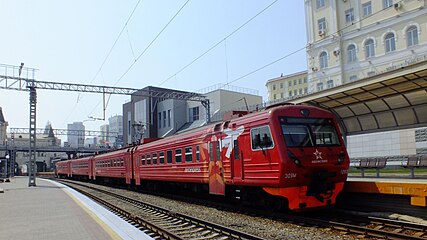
182	219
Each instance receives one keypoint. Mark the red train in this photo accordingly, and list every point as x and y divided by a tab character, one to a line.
286	154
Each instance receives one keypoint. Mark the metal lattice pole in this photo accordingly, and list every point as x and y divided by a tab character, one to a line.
32	150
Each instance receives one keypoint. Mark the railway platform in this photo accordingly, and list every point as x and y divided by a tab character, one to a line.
53	211
416	189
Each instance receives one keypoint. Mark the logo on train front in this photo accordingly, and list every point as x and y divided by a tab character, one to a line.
318	154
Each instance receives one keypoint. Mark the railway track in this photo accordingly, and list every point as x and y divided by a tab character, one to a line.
346	224
161	223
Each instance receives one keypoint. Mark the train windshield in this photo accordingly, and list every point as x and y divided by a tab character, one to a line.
309	132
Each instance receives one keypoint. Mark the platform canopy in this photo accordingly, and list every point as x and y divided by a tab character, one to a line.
389	101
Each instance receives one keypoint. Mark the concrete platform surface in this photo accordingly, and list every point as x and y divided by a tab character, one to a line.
53	211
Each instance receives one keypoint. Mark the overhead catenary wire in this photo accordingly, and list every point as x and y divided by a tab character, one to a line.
218	43
107	56
151	43
303	48
145	50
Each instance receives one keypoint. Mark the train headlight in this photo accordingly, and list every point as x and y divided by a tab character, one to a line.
294	159
341	157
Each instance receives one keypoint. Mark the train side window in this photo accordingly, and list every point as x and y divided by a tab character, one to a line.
143	160
148	159
114	162
169	156
236	149
162	157
154	158
218	150
178	155
210	151
188	154
197	153
261	138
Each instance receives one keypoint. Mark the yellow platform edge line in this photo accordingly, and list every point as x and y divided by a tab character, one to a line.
101	223
417	191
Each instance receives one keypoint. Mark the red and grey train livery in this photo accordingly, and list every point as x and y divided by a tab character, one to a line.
293	154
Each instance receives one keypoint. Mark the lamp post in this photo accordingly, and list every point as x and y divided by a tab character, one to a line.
6	160
5	168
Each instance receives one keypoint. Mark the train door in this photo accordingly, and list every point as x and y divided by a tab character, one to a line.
216	171
89	167
136	160
236	161
128	166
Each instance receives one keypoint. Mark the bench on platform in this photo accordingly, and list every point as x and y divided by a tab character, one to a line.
372	163
414	162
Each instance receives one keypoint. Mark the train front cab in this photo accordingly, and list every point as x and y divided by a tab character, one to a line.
313	155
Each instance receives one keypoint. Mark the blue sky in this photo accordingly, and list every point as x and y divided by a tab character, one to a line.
67	41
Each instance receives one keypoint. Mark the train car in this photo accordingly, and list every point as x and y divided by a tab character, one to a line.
63	169
178	158
114	166
81	168
295	153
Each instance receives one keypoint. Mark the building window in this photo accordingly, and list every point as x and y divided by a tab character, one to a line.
387	3
412	36
160	120
330	83
300	81
323	59
295	82
367	9
194	114
274	96
281	85
349	15
290	93
295	92
274	87
321	23
290	83
369	48
320	3
353	78
281	95
164	118
300	91
371	73
390	42
319	86
305	90
169	118
305	79
351	52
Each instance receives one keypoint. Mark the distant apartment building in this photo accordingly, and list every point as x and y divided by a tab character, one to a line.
3	127
104	136
287	86
145	117
115	124
352	40
76	135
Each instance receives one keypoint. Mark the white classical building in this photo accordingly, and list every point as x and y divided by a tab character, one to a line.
354	39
